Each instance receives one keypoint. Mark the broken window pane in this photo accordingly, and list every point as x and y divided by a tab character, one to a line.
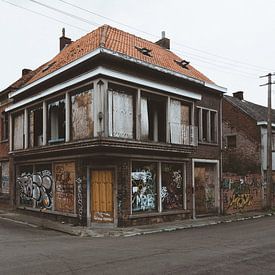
36	127
153	118
144	188
18	131
171	186
82	118
121	111
56	121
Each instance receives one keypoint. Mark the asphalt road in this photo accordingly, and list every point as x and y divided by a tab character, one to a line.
246	247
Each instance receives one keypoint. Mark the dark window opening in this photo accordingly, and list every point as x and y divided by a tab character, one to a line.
204	124
4	126
231	141
36	127
48	66
153	118
183	64
144	51
213	127
56	121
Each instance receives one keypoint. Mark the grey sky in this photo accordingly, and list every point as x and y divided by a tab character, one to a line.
232	42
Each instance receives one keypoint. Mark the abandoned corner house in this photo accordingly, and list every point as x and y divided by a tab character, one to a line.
114	129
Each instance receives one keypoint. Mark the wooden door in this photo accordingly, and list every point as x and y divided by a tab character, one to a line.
102	210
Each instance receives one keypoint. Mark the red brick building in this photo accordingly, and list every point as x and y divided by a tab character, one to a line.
244	154
116	129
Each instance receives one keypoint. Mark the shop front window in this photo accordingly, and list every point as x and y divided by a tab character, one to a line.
144	187
35	186
171	186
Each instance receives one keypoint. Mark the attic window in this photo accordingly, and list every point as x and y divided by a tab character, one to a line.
144	51
48	66
183	64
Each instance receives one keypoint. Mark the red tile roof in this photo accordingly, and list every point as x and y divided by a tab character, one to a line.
120	42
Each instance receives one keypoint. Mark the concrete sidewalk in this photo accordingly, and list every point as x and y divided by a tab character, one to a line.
128	231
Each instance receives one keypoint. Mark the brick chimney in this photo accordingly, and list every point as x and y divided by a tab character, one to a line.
25	71
164	42
63	40
238	95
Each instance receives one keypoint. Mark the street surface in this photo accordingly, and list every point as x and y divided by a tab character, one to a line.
246	247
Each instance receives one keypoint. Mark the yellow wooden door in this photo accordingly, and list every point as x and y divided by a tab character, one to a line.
102	196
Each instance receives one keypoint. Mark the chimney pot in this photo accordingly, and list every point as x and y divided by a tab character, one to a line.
238	95
63	40
164	42
25	71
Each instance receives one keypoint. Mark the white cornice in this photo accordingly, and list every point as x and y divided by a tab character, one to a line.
105	72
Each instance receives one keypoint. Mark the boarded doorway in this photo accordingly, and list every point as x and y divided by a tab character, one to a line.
206	189
102	210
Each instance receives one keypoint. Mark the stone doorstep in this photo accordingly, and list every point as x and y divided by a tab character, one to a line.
83	231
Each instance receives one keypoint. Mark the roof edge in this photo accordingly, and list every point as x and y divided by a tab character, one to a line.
122	56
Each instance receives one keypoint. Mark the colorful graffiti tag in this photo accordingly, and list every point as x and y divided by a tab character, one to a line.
79	198
143	191
172	187
36	188
242	193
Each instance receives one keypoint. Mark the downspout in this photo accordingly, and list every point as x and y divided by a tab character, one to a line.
221	210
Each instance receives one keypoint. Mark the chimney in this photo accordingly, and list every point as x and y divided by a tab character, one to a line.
164	42
238	95
25	71
63	40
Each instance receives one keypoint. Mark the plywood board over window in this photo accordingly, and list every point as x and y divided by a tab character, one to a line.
82	119
18	130
64	174
5	177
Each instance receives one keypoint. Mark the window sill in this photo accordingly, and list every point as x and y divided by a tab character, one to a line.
208	143
47	211
155	214
4	141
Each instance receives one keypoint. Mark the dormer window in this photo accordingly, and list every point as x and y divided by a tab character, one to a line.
144	51
48	66
183	63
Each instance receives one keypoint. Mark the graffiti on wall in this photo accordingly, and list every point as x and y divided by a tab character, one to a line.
79	198
143	191
172	187
64	186
36	188
242	193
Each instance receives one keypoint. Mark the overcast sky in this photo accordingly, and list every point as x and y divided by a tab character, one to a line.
232	42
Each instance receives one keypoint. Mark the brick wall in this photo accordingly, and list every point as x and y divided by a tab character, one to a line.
245	158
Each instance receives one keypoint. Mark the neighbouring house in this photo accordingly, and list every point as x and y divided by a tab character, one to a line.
6	192
116	129
244	154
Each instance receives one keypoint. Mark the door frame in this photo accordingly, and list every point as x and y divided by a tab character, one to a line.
113	168
206	161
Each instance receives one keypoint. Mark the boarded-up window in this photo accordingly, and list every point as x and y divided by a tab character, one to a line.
64	174
179	122
18	131
5	187
82	119
121	114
